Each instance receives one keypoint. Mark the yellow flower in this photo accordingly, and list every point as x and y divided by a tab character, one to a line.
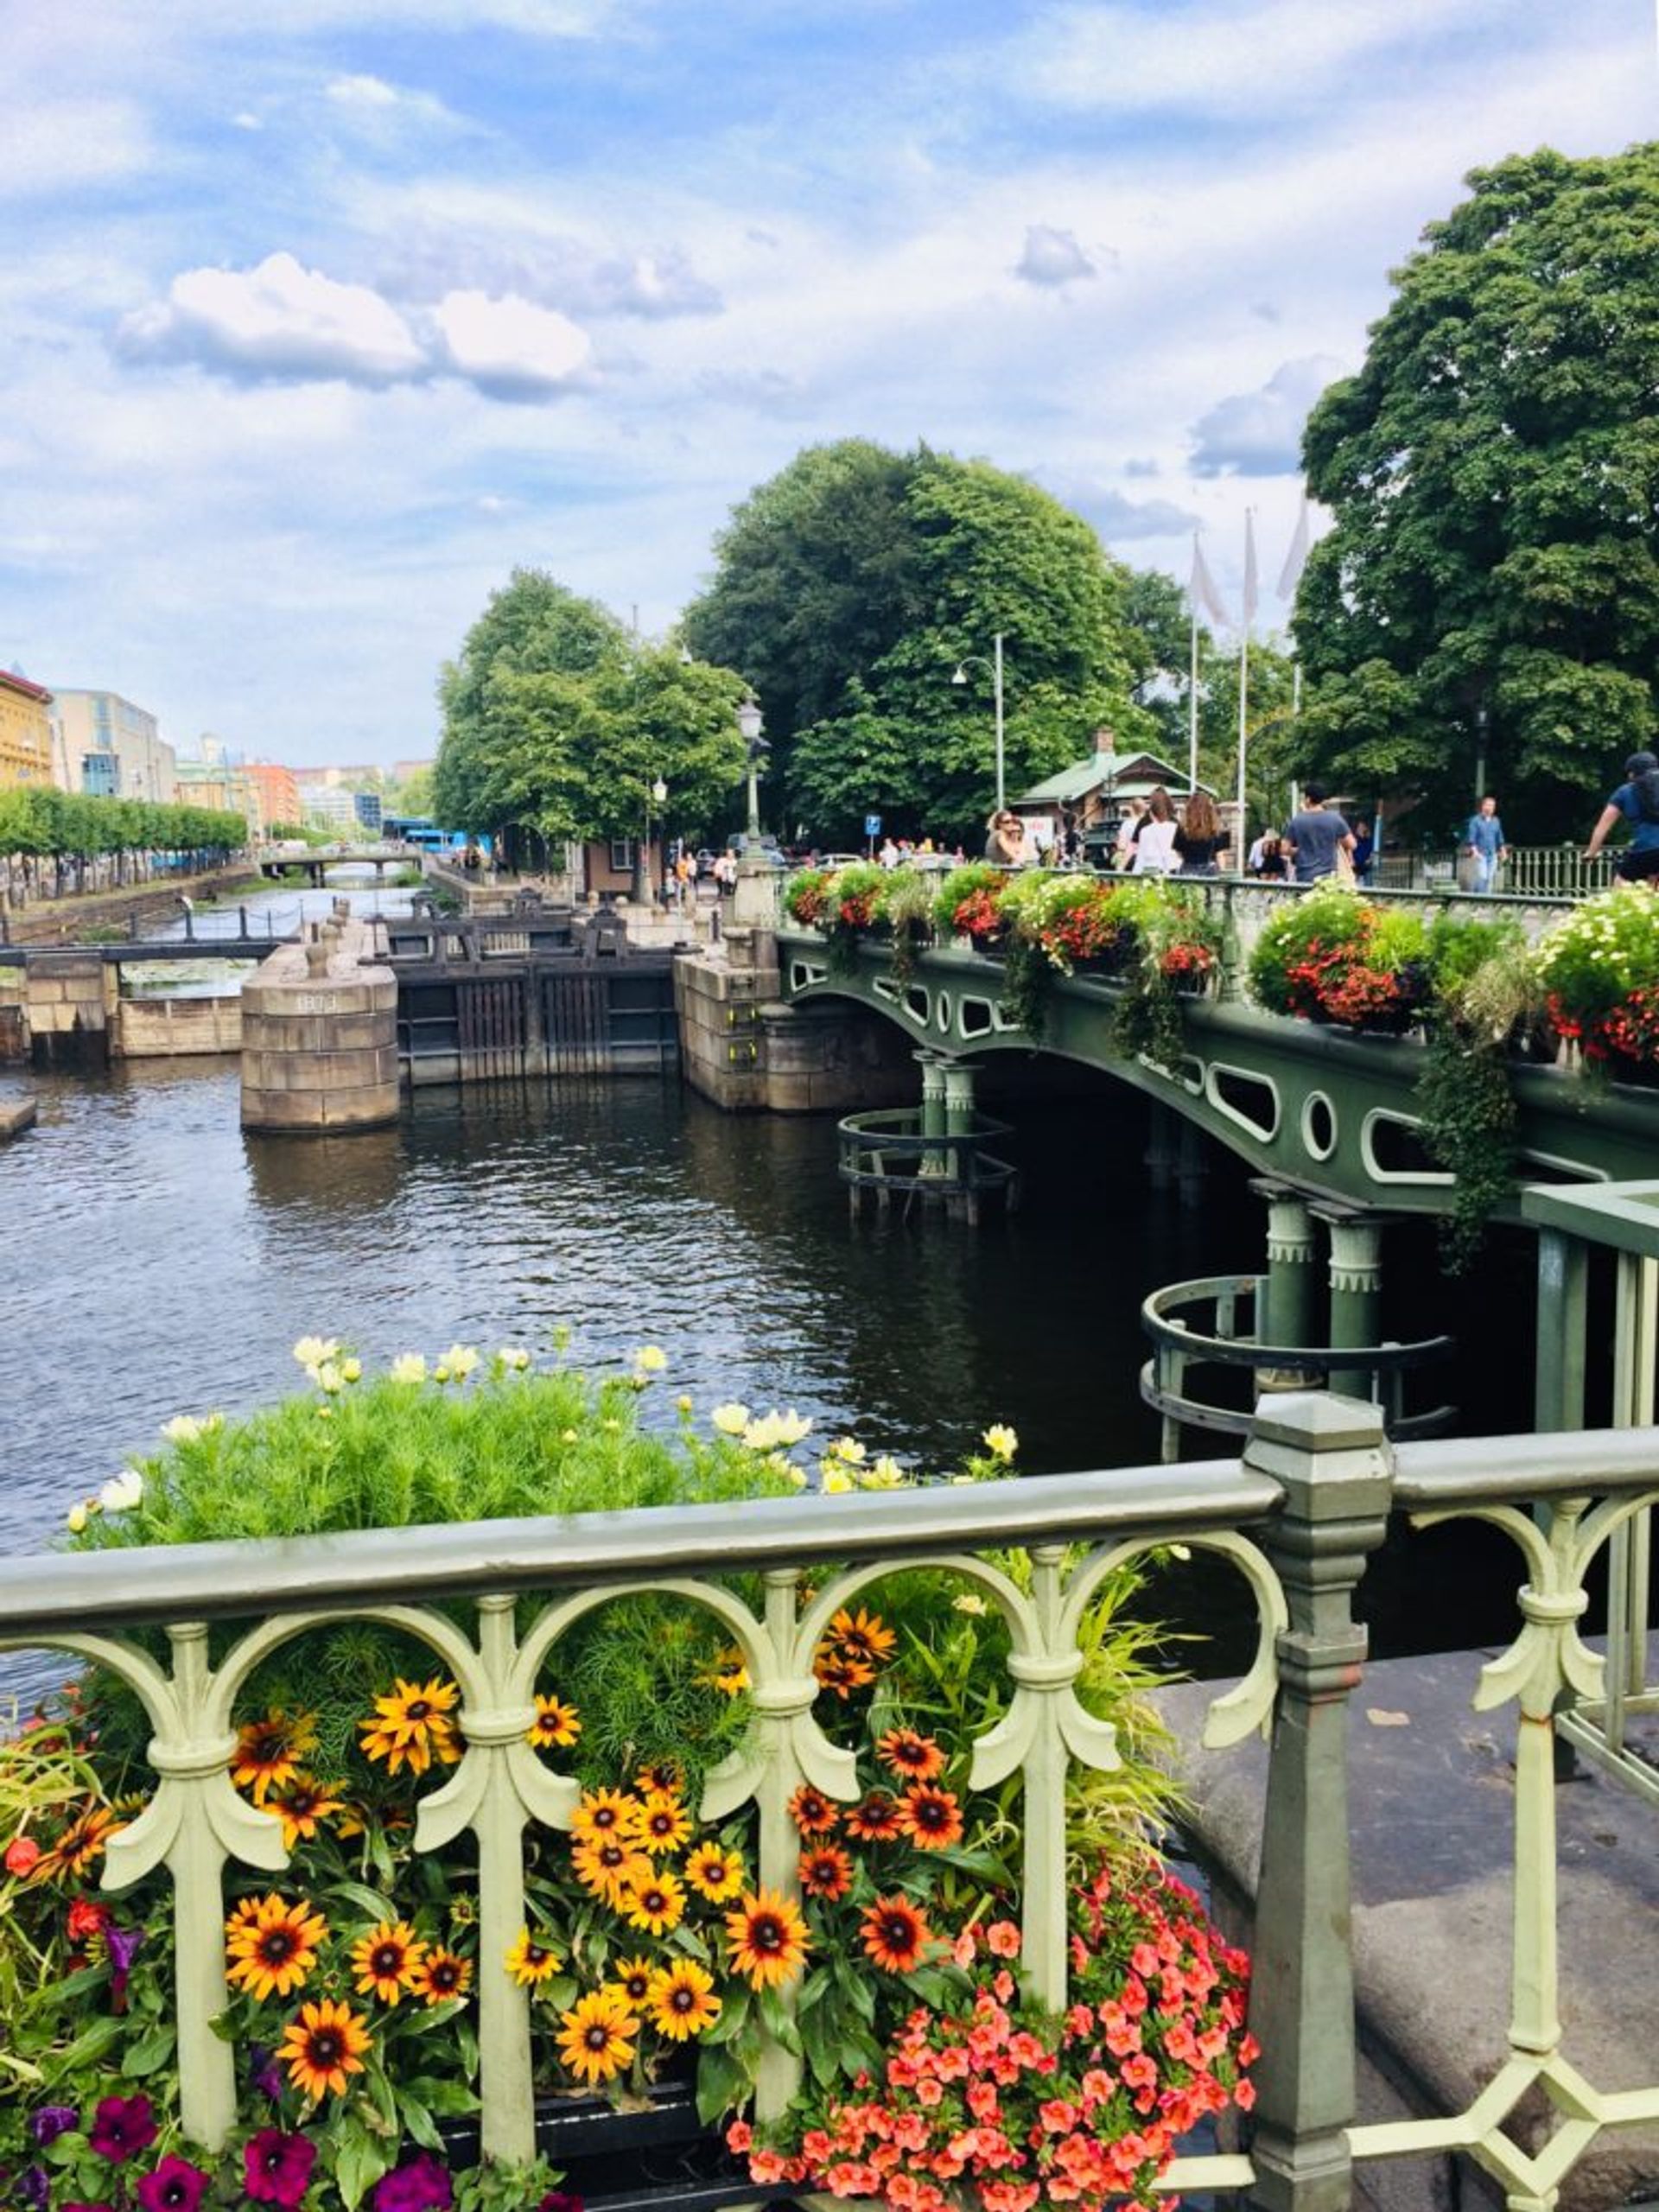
653	1902
387	1960
302	1805
848	1448
272	1945
512	1357
606	1812
665	1823
408	1366
351	1370
323	2046
75	1519
714	1872
650	1359
883	1473
411	1727
530	1962
969	1602
596	2037
460	1360
1001	1441
730	1420
834	1480
556	1725
682	2000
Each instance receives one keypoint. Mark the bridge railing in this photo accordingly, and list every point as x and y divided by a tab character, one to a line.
1298	1517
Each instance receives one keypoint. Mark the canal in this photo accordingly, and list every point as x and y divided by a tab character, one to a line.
161	1262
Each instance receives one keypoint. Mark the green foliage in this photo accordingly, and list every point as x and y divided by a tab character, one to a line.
1490	470
851	586
1599	971
45	824
968	902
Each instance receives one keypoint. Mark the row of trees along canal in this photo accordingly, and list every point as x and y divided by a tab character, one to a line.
50	839
1489	589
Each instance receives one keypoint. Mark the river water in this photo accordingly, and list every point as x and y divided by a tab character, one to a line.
160	1260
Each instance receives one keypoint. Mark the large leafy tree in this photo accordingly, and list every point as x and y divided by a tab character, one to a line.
1493	470
557	720
850	586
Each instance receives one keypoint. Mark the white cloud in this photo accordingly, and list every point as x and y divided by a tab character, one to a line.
498	242
1260	433
279	319
56	146
362	91
1052	257
509	347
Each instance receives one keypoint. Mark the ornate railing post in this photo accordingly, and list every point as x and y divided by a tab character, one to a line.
1330	1459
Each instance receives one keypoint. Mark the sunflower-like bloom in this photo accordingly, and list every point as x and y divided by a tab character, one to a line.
826	1871
729	1674
271	1945
842	1671
862	1636
904	1751
440	1975
714	1872
929	1816
323	2047
896	1934
664	1824
664	1775
654	1902
411	1727
605	1812
72	1856
556	1725
632	1978
269	1752
768	1939
607	1865
813	1812
530	1961
874	1819
596	2036
386	1959
683	2001
302	1805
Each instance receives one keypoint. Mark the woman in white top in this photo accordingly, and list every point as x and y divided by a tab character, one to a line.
1155	843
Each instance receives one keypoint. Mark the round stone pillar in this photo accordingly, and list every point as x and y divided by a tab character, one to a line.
959	1080
1356	1296
932	1066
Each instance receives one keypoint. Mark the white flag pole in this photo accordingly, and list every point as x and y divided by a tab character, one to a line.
1247	611
1192	703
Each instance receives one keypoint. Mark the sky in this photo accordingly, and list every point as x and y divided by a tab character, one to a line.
318	318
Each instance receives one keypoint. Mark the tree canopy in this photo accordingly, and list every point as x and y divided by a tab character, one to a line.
556	718
1493	470
850	586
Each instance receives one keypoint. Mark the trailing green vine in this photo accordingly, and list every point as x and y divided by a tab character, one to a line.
1470	1127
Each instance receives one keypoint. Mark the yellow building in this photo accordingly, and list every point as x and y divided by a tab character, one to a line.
25	731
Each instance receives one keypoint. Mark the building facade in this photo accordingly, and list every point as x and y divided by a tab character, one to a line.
279	794
104	745
25	732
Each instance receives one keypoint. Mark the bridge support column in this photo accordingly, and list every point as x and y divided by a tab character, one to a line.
932	1066
1355	1294
1163	1146
1287	1315
959	1117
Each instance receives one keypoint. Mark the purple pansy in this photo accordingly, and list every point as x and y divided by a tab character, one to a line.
122	1945
276	2166
420	2184
175	2186
51	2121
264	2072
121	2127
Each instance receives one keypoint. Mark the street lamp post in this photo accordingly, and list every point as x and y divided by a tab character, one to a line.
995	668
752	724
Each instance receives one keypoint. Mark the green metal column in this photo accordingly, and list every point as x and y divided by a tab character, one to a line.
1330	1459
959	1080
932	1066
1563	1281
1355	1296
1287	1316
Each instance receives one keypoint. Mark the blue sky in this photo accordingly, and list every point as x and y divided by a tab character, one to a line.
321	317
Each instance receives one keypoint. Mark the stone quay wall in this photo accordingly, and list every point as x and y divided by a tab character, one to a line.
320	1036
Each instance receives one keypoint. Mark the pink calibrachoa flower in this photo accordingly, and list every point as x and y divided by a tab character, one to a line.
277	2167
121	2127
175	2186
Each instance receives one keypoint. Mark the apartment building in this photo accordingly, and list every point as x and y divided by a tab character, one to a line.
25	731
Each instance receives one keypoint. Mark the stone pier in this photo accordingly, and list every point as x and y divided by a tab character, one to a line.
320	1036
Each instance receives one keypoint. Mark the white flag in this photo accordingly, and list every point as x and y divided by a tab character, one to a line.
1201	591
1296	559
1249	567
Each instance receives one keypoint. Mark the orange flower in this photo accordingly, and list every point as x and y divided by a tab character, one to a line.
653	1901
302	1805
269	1752
323	2046
79	1845
929	1816
826	1871
663	1779
917	1757
411	1727
665	1823
595	2038
683	2002
874	1819
768	1939
386	1960
530	1962
714	1872
556	1725
862	1636
812	1812
841	1672
607	1863
441	1974
272	1945
896	1934
605	1812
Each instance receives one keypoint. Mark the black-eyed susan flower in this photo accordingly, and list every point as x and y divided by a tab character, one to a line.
631	1979
596	2036
664	1824
302	1805
896	1934
683	2001
813	1812
768	1939
269	1752
441	1975
841	1672
530	1961
385	1960
607	1863
556	1725
323	2047
715	1872
874	1819
729	1672
862	1636
915	1757
605	1812
929	1816
271	1945
77	1847
826	1871
412	1727
653	1901
663	1777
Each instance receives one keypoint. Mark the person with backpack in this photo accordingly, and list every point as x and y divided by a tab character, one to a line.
1636	801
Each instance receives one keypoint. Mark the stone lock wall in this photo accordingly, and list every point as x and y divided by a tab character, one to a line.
746	1051
320	1038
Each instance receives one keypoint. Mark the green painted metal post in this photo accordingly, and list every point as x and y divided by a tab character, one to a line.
959	1081
1563	1282
932	1066
1330	1459
1356	1296
1292	1262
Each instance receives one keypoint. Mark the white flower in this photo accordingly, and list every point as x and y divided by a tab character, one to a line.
969	1602
731	1419
311	1351
460	1360
791	1427
1001	1441
835	1479
408	1366
514	1356
848	1448
328	1377
181	1429
883	1473
650	1359
123	1491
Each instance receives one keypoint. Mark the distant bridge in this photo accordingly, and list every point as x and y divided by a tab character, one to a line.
282	859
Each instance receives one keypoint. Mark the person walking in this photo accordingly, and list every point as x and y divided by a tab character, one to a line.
1006	845
1199	838
1155	843
1636	801
1316	835
1484	841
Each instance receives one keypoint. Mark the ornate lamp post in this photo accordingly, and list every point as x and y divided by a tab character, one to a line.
657	795
995	667
751	723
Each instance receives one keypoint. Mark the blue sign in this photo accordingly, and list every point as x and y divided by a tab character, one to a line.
872	825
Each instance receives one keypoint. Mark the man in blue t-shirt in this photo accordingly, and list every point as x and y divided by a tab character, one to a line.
1484	839
1316	836
1636	801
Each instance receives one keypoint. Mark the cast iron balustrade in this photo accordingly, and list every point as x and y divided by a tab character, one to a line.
1297	1516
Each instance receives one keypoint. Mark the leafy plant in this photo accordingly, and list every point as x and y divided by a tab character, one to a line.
908	907
1599	970
968	903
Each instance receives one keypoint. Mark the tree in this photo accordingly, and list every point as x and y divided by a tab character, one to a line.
851	586
1492	470
556	719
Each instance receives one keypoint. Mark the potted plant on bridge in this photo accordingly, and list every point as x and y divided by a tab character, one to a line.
969	904
1599	970
855	903
805	895
1331	957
